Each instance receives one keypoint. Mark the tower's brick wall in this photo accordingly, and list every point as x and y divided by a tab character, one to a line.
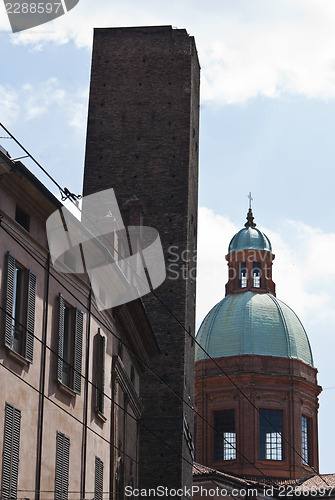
142	140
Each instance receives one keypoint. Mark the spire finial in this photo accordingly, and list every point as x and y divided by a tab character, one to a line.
250	199
250	217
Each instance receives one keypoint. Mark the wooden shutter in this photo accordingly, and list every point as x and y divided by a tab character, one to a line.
60	338
10	456
98	479
78	349
10	290
31	296
62	467
100	372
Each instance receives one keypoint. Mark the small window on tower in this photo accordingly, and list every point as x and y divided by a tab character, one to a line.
243	275
270	434
224	435
256	274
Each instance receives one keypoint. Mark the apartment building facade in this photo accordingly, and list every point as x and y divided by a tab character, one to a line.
70	372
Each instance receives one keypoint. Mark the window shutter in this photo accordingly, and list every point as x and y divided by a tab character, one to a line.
99	479
62	467
60	338
11	448
78	349
30	316
9	299
100	373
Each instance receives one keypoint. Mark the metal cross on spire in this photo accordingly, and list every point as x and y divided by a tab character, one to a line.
250	199
250	218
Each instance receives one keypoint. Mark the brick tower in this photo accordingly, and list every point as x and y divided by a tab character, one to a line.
267	423
142	139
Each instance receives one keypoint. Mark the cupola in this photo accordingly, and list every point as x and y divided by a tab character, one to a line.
250	260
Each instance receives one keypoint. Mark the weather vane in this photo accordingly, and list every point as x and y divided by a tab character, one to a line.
250	199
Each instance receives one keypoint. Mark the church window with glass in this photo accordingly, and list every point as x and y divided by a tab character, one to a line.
305	440
243	275
270	434
224	435
256	275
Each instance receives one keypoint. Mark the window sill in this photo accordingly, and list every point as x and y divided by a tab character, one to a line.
67	390
18	357
100	416
273	460
228	460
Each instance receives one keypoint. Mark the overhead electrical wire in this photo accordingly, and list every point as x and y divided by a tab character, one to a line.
86	379
66	192
69	195
106	327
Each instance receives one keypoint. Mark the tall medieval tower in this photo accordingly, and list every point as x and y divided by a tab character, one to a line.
142	139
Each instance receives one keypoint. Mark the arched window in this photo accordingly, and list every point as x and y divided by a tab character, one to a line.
243	275
256	274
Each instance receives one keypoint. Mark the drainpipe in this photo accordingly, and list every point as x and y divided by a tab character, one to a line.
85	412
42	385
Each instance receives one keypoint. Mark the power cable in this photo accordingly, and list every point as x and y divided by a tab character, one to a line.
93	431
161	380
68	195
63	409
129	349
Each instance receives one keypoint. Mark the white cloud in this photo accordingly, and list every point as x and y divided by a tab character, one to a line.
31	101
77	110
38	101
290	53
214	235
9	108
246	49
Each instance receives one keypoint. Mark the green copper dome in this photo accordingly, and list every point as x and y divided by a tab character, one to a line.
250	238
253	323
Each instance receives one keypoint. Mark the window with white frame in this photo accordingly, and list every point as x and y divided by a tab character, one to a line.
224	435
243	274
270	434
256	274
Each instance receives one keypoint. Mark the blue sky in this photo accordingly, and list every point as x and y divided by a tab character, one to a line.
267	126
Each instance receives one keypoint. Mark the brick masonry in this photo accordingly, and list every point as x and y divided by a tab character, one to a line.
270	383
142	139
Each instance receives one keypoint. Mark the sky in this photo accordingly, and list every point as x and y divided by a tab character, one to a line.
266	126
